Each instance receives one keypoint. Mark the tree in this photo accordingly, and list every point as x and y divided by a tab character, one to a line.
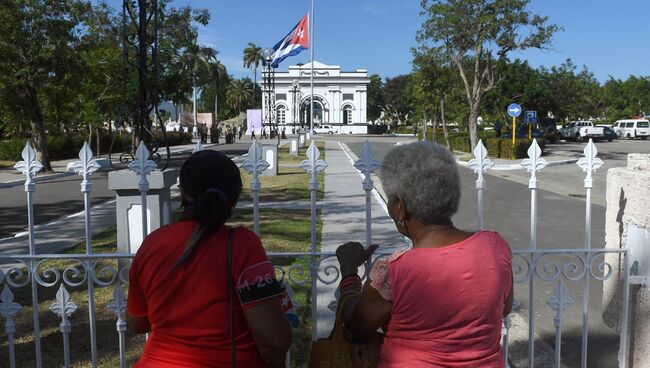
478	35
239	93
252	60
398	99
375	101
39	66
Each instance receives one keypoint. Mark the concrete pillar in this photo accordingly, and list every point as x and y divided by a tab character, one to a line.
294	149
270	154
128	207
628	200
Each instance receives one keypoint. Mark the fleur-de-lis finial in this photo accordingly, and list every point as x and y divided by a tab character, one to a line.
29	166
480	163
590	163
8	309
313	165
560	300
367	164
118	304
63	307
86	166
142	166
255	164
198	147
534	163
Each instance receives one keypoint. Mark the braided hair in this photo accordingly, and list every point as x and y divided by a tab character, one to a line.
211	184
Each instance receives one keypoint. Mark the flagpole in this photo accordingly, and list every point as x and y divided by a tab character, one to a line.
311	46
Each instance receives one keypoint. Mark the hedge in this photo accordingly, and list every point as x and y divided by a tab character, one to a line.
68	146
497	147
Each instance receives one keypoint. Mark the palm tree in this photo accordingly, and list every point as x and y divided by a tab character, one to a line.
252	59
218	74
238	93
197	59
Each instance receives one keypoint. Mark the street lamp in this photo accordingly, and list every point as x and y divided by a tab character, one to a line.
269	91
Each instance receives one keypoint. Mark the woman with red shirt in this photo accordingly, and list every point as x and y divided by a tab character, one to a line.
180	291
441	304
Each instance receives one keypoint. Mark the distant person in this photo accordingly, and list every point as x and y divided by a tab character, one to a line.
442	302
284	135
253	134
234	133
180	290
264	136
497	128
241	132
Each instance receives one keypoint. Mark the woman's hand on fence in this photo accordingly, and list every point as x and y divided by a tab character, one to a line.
351	255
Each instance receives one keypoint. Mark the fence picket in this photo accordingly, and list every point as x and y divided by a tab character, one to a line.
64	307
29	167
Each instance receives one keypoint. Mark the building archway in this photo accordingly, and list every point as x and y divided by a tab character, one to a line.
347	110
321	112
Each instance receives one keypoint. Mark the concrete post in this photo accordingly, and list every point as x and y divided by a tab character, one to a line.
270	154
302	140
293	147
628	199
128	205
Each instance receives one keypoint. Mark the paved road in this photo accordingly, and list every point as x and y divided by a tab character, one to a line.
57	197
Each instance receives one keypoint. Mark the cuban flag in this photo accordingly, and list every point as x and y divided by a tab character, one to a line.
296	41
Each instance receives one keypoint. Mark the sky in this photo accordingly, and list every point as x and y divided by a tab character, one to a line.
610	37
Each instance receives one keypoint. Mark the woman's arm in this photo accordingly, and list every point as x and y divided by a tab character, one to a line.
364	314
271	331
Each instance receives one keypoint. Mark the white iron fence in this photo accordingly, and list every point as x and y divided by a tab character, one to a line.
530	266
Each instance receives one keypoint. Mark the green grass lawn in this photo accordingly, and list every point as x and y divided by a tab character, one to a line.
291	183
281	231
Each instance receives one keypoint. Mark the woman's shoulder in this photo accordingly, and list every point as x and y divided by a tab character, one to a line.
494	239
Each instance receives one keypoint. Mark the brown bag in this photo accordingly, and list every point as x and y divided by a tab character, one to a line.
342	350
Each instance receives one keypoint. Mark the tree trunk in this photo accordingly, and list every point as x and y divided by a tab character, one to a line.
473	128
434	133
98	153
90	135
471	123
216	100
424	127
254	84
444	124
38	130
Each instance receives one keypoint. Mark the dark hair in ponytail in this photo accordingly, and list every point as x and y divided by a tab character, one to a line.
211	185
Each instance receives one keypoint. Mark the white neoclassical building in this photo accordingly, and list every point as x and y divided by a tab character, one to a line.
339	98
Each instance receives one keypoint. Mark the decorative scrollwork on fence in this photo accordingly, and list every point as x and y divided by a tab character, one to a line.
572	265
16	275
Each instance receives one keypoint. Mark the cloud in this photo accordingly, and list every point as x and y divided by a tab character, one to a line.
375	9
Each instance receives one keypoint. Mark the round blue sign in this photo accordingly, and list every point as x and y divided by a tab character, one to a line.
514	110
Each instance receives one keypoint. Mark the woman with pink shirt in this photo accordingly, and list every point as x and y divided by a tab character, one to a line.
440	304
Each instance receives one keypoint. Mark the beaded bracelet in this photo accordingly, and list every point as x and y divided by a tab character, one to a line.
350	280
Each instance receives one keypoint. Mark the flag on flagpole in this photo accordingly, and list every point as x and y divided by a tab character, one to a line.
293	43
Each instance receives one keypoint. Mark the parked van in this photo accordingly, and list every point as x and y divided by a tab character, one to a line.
632	128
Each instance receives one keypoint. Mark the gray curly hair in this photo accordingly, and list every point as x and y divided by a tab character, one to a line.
425	175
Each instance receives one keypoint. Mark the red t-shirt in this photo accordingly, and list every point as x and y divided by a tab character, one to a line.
188	306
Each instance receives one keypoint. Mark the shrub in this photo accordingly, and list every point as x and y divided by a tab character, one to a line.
497	147
11	150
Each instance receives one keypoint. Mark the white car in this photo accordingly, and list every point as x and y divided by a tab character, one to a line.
324	129
632	128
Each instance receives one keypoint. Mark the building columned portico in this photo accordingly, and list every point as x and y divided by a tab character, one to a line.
339	98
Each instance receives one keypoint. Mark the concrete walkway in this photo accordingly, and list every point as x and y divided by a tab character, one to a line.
344	220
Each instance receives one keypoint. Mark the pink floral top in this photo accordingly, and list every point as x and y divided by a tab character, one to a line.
447	303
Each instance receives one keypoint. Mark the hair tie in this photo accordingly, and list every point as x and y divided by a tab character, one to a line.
219	193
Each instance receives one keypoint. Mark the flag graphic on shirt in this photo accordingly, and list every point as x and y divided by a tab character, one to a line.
294	42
